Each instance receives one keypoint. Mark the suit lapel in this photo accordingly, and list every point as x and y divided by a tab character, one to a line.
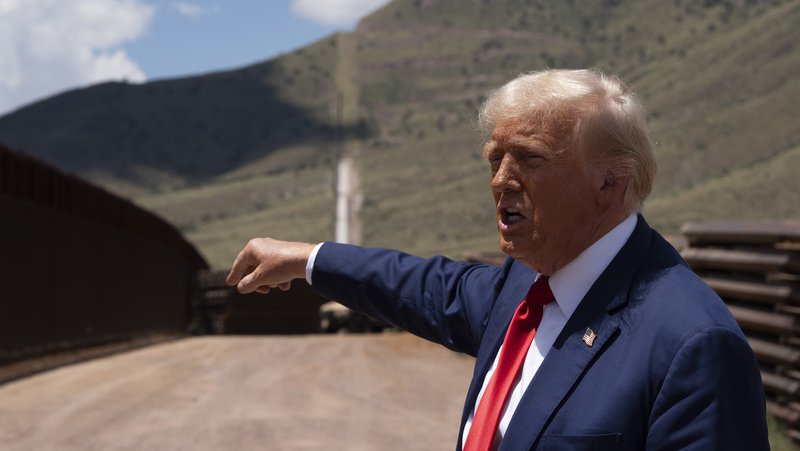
570	357
560	371
519	279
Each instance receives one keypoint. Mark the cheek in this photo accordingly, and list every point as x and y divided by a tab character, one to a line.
574	190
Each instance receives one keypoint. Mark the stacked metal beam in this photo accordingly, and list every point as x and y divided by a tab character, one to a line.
755	268
218	308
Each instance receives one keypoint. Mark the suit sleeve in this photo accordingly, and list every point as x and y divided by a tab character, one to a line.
438	299
711	398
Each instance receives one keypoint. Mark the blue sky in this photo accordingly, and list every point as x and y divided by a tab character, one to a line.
218	35
49	46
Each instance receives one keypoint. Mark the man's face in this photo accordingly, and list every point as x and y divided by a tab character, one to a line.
546	196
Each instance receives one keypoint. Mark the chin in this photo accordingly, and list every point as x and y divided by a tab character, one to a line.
508	248
519	253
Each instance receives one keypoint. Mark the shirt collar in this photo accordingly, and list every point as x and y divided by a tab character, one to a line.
571	283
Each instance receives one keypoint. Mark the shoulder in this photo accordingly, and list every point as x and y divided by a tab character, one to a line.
678	299
667	303
664	284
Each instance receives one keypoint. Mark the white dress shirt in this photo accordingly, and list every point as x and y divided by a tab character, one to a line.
569	285
310	263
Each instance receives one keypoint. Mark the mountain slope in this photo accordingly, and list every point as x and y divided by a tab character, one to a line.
717	80
251	151
190	129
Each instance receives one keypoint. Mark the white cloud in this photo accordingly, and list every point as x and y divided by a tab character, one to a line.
335	12
193	9
51	45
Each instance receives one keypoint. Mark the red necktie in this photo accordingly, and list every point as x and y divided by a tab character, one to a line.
515	347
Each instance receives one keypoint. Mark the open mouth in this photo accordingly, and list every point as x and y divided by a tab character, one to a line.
511	216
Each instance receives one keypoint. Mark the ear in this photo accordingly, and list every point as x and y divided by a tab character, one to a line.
613	188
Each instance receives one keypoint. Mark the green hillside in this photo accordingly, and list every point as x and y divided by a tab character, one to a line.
250	152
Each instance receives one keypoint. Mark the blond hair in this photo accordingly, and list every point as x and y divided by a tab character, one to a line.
592	112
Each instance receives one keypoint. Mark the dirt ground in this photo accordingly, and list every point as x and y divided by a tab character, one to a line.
341	392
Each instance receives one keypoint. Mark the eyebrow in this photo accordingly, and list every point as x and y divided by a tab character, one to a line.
512	141
524	141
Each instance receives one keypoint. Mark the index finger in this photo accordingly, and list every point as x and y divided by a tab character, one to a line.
242	266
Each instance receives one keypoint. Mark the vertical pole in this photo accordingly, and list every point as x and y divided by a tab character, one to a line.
338	153
343	196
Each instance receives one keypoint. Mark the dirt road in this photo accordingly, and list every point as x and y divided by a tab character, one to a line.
355	392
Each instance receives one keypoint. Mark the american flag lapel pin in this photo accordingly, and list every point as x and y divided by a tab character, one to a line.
589	336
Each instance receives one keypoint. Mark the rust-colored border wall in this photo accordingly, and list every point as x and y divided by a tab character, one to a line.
80	266
26	178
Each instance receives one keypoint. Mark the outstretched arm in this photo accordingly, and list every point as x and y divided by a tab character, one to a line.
441	300
438	299
265	263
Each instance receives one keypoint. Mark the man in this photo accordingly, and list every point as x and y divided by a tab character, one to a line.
617	344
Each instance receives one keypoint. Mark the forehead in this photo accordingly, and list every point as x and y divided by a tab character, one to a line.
518	133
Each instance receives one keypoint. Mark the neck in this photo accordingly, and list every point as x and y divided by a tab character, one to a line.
598	229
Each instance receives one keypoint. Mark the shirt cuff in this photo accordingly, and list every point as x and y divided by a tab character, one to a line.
310	262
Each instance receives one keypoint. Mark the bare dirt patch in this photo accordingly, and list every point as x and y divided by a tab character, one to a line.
355	392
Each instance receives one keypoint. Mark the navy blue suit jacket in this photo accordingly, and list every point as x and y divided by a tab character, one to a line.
669	369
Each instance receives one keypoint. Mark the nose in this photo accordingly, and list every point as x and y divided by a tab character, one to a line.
505	179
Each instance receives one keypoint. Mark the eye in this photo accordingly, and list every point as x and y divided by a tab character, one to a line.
531	155
495	160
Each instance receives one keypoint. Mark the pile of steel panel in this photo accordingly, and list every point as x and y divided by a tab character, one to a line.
755	268
218	308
